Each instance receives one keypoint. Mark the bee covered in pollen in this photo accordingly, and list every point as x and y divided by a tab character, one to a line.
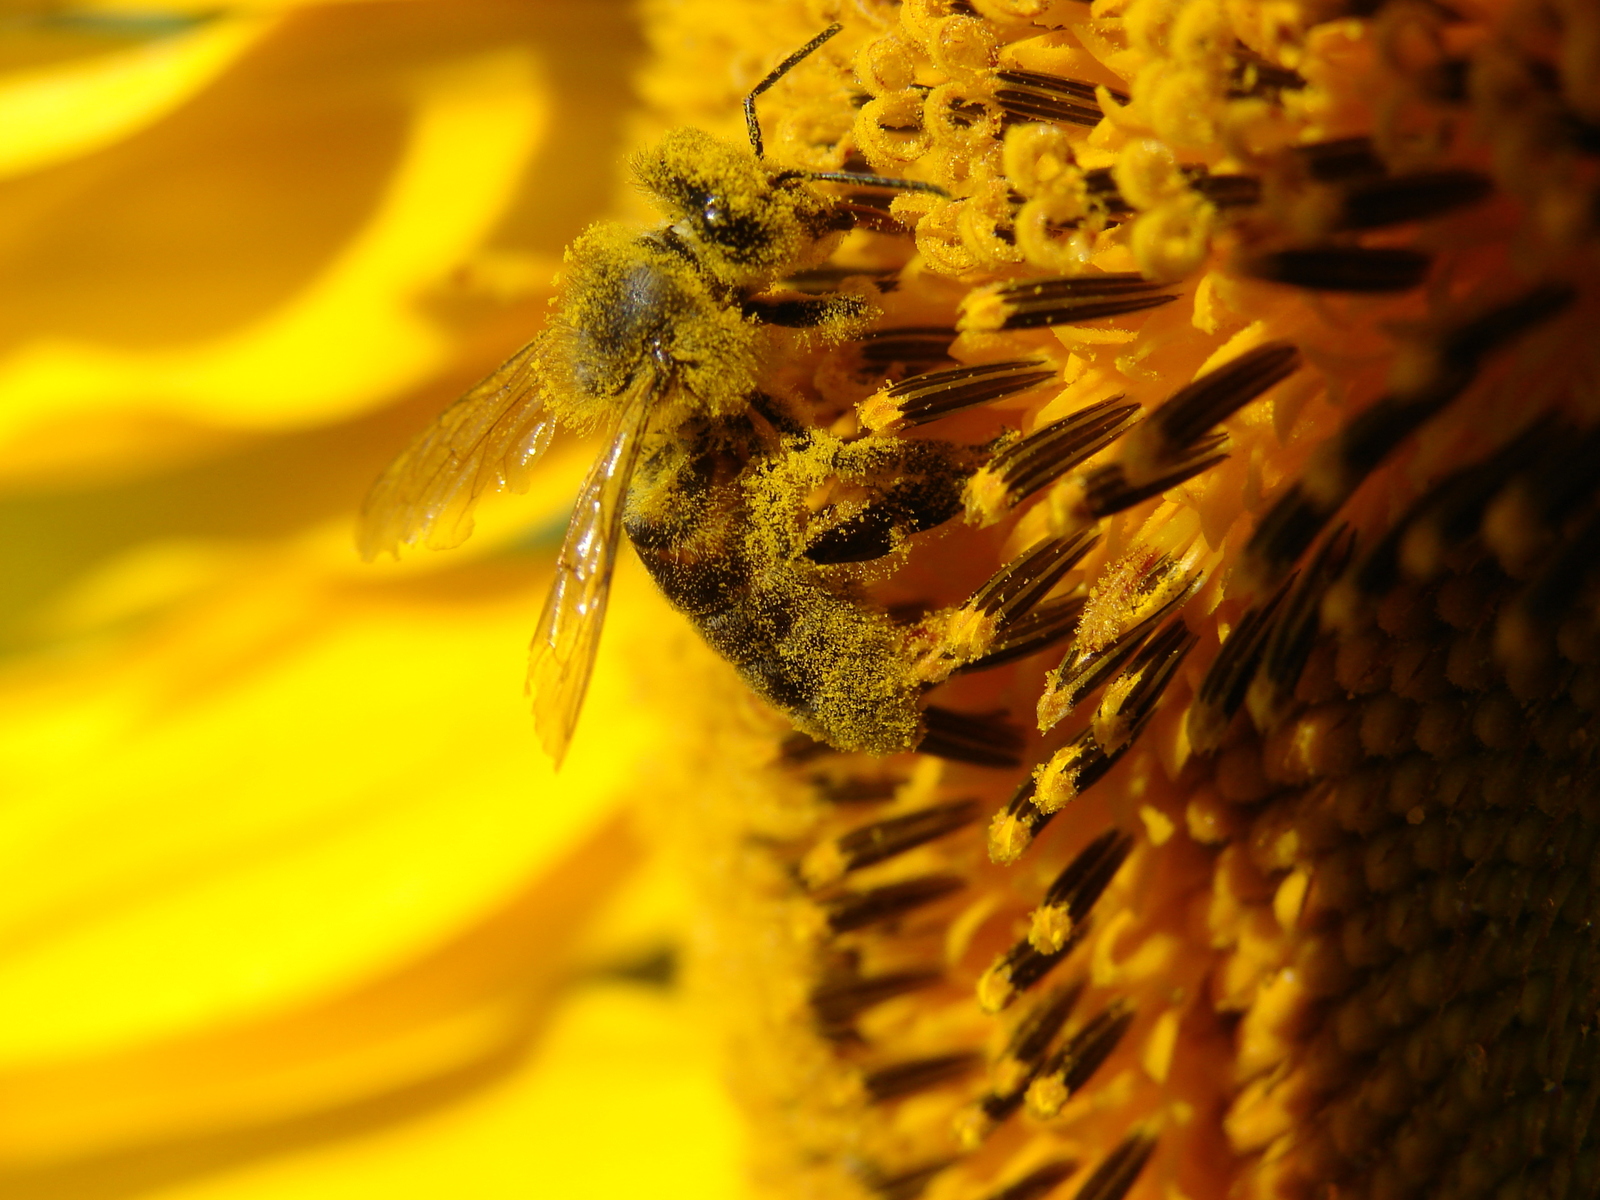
659	338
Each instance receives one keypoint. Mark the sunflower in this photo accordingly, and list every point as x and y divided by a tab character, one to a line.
1248	845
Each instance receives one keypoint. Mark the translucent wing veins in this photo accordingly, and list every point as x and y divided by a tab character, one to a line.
562	655
484	442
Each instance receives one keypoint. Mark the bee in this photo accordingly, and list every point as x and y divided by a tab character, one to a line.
658	338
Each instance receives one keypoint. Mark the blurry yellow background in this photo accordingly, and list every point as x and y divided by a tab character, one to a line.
290	904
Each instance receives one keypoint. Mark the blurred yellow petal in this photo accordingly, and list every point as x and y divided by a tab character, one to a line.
352	334
293	905
51	114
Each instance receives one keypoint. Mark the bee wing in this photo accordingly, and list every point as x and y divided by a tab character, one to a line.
561	657
484	442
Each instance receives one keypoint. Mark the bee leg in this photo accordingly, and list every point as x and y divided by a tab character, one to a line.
807	313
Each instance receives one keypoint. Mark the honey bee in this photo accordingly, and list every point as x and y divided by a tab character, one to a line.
659	338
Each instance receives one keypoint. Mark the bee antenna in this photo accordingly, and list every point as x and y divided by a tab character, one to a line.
777	73
882	181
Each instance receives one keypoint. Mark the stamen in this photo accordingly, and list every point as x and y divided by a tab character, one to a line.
1130	699
1114	1177
1032	96
1035	1032
1038	1182
1071	897
1010	594
905	1079
1017	970
1294	633
1418	197
1039	303
1015	826
907	1185
1227	680
928	397
1022	468
1080	673
1076	890
1226	191
909	346
1253	75
1340	160
1025	580
857	910
837	1003
1039	630
1075	768
883	840
1069	1068
983	741
854	790
1343	268
1017	1066
1104	491
1173	428
1291	524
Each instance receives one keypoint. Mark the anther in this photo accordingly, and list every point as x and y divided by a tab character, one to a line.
858	910
1017	970
1227	680
1340	160
1083	670
1343	462
1038	1182
854	790
1104	491
1076	890
1130	698
1075	768
1039	303
1343	268
884	840
1023	582
905	1185
910	346
1113	1178
1072	1066
925	398
1172	430
1226	191
982	740
837	1002
1042	628
1024	467
1015	826
1417	197
919	1075
1294	631
970	631
1017	1066
1033	96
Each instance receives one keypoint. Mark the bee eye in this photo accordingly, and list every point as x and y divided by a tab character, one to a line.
713	211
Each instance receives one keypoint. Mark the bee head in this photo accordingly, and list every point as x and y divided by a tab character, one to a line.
746	222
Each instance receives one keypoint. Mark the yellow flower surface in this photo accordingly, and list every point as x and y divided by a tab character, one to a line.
1248	847
292	904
